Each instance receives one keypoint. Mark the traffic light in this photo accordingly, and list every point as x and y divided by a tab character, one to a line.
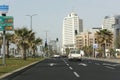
57	39
46	44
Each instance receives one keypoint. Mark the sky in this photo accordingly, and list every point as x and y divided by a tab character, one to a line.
50	14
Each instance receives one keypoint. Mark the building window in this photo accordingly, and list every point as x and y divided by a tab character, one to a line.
76	32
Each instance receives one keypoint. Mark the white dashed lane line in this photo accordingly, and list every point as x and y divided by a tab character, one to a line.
76	74
70	68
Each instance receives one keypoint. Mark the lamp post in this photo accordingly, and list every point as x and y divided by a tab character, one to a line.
31	19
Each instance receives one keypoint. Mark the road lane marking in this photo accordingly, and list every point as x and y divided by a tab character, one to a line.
76	74
70	68
111	64
83	64
67	64
52	64
109	67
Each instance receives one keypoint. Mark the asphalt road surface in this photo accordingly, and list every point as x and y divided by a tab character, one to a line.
62	69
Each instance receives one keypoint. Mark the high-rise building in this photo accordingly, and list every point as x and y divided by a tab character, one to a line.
72	25
112	23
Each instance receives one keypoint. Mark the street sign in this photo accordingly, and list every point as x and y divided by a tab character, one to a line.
4	8
95	46
1	19
6	23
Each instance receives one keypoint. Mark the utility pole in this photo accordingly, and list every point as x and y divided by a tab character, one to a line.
4	61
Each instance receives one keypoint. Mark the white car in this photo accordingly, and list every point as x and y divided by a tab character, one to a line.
56	56
74	55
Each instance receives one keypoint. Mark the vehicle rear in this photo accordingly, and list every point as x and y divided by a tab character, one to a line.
74	55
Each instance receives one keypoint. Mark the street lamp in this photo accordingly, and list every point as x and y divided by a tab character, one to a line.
31	19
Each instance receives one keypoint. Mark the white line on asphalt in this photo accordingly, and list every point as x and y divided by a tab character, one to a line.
109	67
71	68
83	64
52	64
67	64
76	74
107	64
111	64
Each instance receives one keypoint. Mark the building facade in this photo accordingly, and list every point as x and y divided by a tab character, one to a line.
84	39
72	26
112	23
88	39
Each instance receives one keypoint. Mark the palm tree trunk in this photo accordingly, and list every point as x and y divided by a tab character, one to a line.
103	50
24	52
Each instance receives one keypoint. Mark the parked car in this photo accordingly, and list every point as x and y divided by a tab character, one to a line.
75	55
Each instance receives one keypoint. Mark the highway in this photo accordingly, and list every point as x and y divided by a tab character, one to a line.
62	69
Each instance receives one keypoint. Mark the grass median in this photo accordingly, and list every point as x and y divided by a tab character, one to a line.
15	63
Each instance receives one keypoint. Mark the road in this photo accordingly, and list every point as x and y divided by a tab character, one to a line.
62	69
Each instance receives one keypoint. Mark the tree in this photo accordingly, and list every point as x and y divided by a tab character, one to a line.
104	36
8	40
67	51
35	43
21	37
88	50
118	42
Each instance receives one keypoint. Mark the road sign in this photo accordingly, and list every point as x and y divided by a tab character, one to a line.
4	8
1	19
6	23
95	46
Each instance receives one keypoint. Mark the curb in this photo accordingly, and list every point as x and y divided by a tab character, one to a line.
16	72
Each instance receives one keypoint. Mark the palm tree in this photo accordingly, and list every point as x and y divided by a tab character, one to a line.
88	50
118	42
103	37
35	43
21	37
8	40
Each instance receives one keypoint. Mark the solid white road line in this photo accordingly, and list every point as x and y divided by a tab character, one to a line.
76	74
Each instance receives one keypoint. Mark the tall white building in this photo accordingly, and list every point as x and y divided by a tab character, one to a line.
72	25
112	23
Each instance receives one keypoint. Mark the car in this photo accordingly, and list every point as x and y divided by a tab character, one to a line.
74	55
56	55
